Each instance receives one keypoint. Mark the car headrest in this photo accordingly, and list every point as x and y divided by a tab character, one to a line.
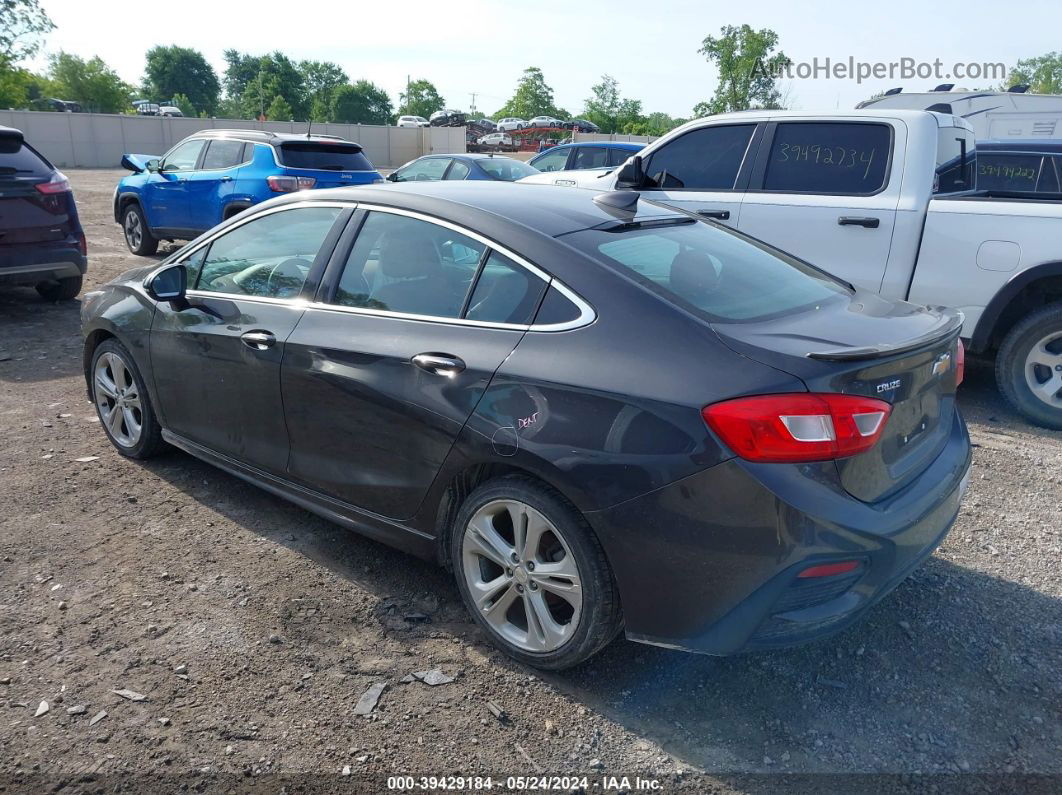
409	255
692	274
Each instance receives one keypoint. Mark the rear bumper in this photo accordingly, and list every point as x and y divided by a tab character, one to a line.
710	563
32	264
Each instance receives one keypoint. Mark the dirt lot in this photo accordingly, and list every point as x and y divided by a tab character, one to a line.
252	628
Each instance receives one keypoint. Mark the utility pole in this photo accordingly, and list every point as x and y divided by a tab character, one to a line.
407	93
472	109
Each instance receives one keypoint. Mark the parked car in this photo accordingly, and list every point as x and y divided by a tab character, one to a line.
585	126
488	124
452	369
170	110
897	215
511	123
412	121
544	121
55	105
432	168
215	174
1020	166
496	139
147	108
41	240
447	118
590	154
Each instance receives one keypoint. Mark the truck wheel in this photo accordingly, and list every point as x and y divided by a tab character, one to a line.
1029	367
137	235
60	289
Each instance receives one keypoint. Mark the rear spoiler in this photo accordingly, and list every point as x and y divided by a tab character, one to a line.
10	140
949	325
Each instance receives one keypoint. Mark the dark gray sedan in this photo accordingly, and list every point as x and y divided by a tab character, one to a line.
601	413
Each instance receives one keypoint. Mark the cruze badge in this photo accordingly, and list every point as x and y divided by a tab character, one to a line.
942	364
888	386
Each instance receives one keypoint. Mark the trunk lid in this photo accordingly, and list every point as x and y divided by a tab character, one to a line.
867	345
333	164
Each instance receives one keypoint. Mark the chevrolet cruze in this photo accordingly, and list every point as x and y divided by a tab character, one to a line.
602	414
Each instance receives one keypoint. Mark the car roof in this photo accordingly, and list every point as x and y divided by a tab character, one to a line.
608	144
547	209
265	136
1027	145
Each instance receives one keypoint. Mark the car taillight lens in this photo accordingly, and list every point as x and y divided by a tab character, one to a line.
82	244
792	428
829	569
960	363
57	184
284	184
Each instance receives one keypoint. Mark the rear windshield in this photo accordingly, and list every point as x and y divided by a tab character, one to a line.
505	168
23	161
326	157
714	272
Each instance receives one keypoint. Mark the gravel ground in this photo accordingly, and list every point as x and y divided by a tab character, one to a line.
251	629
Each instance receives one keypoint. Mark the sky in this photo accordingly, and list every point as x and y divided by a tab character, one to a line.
482	47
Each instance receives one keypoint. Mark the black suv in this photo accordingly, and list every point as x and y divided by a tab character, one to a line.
41	239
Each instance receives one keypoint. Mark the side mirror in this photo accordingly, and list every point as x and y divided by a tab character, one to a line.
630	175
392	177
168	284
152	165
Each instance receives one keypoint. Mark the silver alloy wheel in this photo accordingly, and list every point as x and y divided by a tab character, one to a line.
522	575
134	232
1043	369
117	399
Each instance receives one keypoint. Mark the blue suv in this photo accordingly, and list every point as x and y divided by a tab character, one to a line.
214	174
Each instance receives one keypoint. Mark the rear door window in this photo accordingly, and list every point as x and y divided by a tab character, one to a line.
705	159
223	154
711	270
837	158
458	170
590	157
617	157
23	161
505	292
324	156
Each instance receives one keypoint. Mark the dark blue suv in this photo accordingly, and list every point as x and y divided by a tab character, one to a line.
214	174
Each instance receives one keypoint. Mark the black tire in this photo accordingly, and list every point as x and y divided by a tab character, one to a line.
150	442
66	289
1012	362
143	244
601	616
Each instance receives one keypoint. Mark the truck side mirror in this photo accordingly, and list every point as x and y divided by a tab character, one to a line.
630	175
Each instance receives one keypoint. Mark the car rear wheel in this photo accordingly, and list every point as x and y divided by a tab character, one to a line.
533	575
1029	367
60	289
122	402
137	235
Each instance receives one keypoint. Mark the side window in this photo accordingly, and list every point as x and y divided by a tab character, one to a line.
556	308
617	157
194	264
557	160
402	264
1051	175
269	256
428	168
457	171
590	157
838	158
704	159
223	154
505	292
184	157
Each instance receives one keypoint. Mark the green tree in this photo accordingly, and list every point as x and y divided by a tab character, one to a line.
533	97
1043	74
421	98
240	69
177	70
185	104
602	108
277	75
91	83
279	109
229	109
321	79
23	24
361	103
747	64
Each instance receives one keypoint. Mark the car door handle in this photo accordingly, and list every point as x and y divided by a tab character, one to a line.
225	179
722	215
258	340
439	363
849	220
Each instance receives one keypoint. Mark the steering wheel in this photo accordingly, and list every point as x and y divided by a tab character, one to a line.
292	271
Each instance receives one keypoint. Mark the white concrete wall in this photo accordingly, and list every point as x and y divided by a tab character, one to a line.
98	140
634	139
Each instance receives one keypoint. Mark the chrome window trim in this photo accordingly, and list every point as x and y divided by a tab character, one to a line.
587	314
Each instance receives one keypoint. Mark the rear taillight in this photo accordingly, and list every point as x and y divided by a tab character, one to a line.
285	184
798	427
960	363
82	244
57	184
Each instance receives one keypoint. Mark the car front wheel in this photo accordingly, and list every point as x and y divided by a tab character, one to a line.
122	402
137	235
533	575
1029	366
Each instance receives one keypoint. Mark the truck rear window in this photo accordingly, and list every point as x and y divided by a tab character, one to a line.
1017	172
325	157
718	273
24	161
836	158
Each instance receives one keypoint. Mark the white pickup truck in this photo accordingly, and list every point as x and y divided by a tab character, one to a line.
884	199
